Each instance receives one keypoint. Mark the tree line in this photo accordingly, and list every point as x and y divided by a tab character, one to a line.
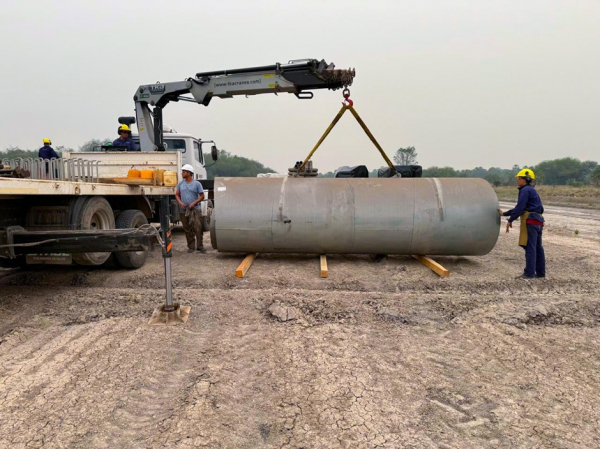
226	165
562	171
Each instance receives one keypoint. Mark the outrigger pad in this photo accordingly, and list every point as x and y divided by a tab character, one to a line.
161	318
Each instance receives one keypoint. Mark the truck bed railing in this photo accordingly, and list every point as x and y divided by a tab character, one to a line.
71	169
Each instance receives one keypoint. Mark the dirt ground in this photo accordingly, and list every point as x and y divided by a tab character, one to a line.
382	354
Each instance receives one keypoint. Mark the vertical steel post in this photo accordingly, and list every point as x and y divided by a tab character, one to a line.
158	129
167	250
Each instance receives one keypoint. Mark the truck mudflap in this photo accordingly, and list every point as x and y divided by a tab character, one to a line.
15	241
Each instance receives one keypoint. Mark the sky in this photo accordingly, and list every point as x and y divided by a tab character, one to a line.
467	82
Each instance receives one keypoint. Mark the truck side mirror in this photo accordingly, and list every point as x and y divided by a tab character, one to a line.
214	153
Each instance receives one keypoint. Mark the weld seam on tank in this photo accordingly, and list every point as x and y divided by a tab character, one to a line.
439	196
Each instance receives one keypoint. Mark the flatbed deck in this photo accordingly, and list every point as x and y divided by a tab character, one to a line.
14	187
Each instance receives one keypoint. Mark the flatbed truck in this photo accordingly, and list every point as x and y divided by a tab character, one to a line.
61	220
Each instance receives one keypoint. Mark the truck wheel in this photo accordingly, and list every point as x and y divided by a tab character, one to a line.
131	218
95	214
206	218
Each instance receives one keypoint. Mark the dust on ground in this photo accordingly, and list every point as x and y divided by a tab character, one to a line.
382	354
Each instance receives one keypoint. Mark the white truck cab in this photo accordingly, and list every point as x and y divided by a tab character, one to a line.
189	146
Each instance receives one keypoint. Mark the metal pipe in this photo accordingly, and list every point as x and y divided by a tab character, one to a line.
54	168
164	213
168	286
61	169
420	216
78	169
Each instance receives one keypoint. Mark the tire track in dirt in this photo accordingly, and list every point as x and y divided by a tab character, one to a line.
94	369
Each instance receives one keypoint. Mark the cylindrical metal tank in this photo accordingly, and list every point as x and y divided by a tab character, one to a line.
421	216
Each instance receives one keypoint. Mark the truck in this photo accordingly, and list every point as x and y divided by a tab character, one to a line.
82	208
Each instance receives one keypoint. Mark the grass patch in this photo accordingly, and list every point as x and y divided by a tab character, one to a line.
587	197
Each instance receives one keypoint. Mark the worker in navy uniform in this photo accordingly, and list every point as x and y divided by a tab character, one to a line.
125	139
47	152
529	210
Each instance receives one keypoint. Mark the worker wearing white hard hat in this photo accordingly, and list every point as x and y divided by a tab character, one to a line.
189	194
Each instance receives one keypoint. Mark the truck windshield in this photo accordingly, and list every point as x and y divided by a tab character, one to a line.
172	144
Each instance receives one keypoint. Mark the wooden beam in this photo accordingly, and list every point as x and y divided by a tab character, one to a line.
433	266
324	269
245	265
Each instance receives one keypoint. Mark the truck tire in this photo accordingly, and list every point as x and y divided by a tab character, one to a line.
131	218
95	213
206	218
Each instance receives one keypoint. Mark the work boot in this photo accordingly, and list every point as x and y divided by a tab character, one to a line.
202	250
524	276
190	250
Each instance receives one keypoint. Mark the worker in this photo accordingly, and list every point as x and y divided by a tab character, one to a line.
125	139
529	209
47	152
189	193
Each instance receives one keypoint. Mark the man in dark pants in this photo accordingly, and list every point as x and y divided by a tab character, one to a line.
529	209
189	194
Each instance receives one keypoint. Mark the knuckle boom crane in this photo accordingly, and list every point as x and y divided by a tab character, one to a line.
297	77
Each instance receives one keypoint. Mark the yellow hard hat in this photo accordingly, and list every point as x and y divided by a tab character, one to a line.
124	128
46	140
526	173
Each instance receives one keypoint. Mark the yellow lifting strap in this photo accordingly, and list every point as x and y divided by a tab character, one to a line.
348	105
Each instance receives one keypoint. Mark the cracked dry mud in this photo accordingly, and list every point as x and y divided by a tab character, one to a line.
381	354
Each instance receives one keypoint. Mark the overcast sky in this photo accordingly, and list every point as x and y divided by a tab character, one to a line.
467	82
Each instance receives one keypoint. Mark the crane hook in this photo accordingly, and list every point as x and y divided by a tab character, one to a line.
346	94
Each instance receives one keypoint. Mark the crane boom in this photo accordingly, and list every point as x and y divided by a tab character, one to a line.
296	77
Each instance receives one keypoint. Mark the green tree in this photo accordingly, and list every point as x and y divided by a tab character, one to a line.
564	171
94	143
588	169
406	156
234	166
595	176
440	172
16	152
329	174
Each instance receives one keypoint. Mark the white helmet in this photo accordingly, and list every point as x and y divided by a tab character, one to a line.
188	167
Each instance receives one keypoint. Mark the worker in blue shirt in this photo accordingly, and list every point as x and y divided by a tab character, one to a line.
47	152
125	139
529	209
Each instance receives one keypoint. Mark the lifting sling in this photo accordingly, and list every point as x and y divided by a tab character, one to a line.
348	105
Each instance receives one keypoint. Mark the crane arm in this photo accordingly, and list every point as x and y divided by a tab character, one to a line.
296	77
